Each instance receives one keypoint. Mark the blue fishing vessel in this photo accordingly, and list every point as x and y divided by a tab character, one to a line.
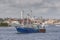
29	26
34	29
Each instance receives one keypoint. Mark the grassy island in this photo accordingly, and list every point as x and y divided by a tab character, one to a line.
3	24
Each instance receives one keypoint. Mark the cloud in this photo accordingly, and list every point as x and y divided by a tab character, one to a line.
39	7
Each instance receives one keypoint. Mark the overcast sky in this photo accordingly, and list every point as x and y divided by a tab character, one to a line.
44	8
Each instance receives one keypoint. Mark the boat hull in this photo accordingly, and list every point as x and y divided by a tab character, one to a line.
26	30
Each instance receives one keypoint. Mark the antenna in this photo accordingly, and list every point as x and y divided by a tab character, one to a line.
31	13
22	14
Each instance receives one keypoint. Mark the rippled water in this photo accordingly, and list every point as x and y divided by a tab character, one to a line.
10	33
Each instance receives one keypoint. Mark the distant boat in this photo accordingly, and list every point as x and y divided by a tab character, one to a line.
51	25
27	26
58	25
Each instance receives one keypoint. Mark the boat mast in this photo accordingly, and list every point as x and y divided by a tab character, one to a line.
27	18
21	15
22	18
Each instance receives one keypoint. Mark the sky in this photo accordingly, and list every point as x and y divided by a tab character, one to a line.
44	8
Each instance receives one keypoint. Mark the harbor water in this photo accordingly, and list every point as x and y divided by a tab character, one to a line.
10	33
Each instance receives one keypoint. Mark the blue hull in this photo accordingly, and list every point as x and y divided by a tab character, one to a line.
27	30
